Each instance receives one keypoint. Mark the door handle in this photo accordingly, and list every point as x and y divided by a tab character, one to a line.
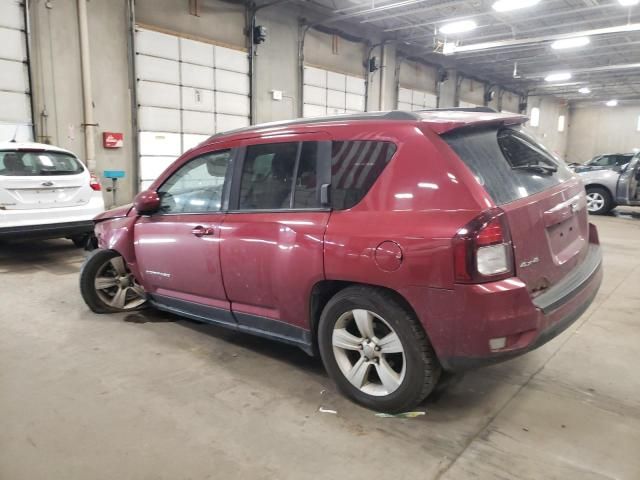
201	231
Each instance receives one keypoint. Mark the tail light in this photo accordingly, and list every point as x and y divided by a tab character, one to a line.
482	249
94	183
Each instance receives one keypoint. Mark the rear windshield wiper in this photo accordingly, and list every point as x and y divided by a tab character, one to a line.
537	167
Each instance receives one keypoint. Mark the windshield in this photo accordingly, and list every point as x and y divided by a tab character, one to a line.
38	163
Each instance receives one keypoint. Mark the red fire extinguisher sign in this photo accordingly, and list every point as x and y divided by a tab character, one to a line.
112	140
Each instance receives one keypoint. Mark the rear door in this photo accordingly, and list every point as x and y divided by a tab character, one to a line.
34	179
627	188
271	243
544	202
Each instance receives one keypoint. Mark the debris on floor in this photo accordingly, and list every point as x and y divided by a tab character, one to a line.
401	415
327	410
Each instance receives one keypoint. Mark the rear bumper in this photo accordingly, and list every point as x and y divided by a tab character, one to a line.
51	230
487	315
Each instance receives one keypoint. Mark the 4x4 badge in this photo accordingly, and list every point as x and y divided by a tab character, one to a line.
530	262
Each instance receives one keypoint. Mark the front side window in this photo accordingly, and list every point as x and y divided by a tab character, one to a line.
197	186
355	166
38	163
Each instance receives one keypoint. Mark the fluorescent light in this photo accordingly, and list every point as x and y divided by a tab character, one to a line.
561	123
585	90
558	77
612	103
639	123
535	117
507	5
458	27
449	48
574	42
628	3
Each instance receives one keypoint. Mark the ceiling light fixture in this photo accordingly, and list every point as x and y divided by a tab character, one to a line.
458	27
574	42
558	77
612	103
632	27
585	90
628	3
508	5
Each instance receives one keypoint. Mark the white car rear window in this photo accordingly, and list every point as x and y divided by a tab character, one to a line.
38	163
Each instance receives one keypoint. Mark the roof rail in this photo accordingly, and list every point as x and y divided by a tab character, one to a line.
462	109
390	115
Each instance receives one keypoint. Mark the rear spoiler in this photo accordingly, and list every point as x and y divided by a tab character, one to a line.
445	121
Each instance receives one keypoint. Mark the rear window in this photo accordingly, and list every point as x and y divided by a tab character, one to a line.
507	162
37	163
355	166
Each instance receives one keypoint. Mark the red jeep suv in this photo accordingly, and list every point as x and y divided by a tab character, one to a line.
397	245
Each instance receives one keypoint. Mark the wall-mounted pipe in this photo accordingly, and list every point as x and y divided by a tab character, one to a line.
302	35
87	94
133	92
383	76
396	77
456	94
27	27
368	75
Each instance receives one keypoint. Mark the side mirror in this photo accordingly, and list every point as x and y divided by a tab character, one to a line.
147	202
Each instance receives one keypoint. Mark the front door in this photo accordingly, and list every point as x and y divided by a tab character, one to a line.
272	236
178	248
627	190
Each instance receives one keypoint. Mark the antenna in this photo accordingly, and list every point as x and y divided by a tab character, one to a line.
15	134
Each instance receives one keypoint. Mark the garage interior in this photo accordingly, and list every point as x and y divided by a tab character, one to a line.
152	395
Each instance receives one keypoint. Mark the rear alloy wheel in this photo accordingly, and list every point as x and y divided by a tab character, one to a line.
108	286
599	201
376	351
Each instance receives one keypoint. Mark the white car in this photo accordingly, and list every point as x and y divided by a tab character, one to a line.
46	192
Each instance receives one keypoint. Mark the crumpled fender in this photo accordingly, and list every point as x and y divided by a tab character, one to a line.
117	212
114	231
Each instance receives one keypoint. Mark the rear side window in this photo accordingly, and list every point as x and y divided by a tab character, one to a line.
355	166
38	163
509	164
280	176
267	176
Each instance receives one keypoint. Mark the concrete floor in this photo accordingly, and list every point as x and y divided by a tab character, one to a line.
149	396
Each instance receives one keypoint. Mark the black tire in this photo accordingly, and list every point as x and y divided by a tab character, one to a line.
80	241
608	203
422	367
88	272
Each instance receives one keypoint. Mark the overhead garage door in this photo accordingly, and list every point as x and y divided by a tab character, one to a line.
187	90
15	100
330	93
411	100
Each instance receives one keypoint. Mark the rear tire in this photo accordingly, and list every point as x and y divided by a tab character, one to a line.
599	201
107	285
376	351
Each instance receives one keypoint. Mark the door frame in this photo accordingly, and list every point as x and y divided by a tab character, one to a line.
623	195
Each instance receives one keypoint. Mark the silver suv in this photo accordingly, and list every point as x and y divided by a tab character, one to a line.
609	187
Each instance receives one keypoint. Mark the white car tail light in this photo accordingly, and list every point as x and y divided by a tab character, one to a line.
94	183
